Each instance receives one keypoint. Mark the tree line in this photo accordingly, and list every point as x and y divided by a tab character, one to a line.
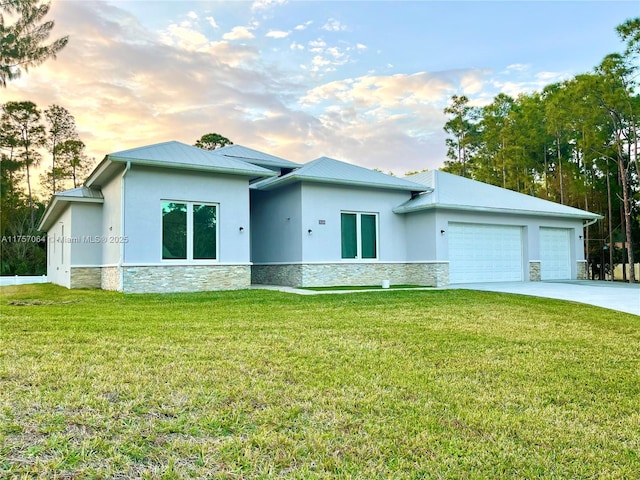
25	133
575	142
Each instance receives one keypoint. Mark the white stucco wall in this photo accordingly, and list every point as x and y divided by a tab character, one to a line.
276	225
326	202
59	250
86	230
421	237
112	219
144	190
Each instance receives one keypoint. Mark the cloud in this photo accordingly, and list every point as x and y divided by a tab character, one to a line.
239	33
334	25
184	37
517	67
303	26
265	4
317	46
212	22
277	34
128	86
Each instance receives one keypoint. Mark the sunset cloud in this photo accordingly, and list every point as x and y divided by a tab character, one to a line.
238	33
132	76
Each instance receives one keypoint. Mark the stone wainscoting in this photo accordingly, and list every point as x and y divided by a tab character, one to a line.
535	274
581	270
430	274
187	278
110	278
85	277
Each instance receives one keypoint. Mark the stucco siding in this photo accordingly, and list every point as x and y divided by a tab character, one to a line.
59	250
322	206
146	188
112	219
276	225
86	231
421	238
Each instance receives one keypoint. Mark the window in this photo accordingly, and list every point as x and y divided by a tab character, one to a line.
189	231
359	235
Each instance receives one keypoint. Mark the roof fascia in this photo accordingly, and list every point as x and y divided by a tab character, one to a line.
202	168
282	181
509	211
57	206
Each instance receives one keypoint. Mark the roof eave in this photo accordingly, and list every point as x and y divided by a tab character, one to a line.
97	172
332	181
509	211
265	162
263	172
57	206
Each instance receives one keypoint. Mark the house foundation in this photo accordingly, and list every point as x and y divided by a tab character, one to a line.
191	278
430	274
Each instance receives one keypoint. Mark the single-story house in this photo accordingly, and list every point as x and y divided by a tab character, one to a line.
172	217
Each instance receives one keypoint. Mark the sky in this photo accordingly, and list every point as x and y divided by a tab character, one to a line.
362	81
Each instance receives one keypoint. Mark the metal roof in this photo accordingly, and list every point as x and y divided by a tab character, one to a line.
255	157
455	192
329	170
60	201
177	155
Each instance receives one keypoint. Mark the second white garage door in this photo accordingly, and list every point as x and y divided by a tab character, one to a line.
484	253
555	253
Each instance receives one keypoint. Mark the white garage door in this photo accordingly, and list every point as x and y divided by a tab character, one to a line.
555	253
484	253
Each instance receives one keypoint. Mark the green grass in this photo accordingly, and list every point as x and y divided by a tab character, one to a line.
261	384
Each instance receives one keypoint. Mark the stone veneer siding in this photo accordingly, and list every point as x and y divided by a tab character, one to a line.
85	277
582	273
534	271
186	278
351	274
110	278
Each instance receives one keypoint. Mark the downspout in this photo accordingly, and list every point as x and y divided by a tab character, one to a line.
122	226
588	224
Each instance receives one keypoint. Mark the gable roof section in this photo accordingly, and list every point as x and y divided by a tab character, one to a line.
175	155
255	157
454	192
335	172
61	200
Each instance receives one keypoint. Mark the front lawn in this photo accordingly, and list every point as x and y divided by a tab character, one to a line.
261	384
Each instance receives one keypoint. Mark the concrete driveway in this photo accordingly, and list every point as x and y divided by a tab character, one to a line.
622	297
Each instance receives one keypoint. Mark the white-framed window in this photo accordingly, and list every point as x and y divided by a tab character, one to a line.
359	235
189	230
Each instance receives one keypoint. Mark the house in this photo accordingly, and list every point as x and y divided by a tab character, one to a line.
171	217
166	217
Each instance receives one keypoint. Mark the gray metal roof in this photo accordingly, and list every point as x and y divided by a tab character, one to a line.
80	192
255	157
455	192
60	201
181	155
174	155
328	170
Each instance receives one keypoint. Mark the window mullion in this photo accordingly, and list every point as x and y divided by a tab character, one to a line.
189	231
359	236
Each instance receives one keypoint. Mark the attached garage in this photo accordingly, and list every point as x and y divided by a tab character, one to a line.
485	253
555	253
